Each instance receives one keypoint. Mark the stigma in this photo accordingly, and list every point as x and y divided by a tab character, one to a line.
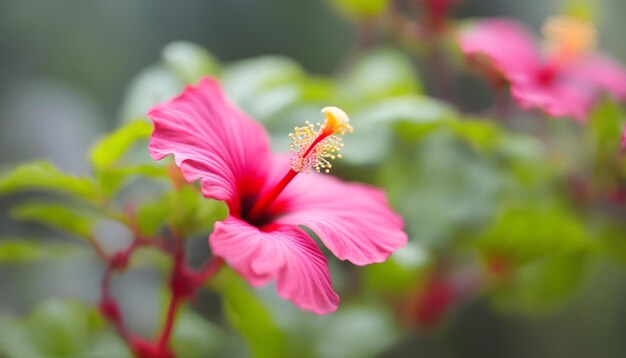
568	37
317	145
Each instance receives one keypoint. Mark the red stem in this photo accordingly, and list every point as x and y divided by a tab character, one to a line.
180	289
110	308
170	318
108	304
99	250
264	202
266	199
183	284
209	270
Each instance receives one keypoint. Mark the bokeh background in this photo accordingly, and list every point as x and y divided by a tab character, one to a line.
66	69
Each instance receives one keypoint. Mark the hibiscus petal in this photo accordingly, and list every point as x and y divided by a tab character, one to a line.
283	253
558	99
353	220
600	71
212	141
504	42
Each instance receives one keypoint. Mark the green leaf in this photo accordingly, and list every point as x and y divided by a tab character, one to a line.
189	61
23	251
250	318
186	210
191	213
355	332
542	285
413	109
361	9
59	329
151	257
553	280
481	134
112	180
151	216
586	10
43	176
381	74
526	233
15	341
606	123
525	159
440	211
57	216
111	148
612	242
153	85
195	337
401	272
107	154
265	85
378	125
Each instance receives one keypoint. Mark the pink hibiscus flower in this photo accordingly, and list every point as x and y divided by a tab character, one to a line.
262	237
564	80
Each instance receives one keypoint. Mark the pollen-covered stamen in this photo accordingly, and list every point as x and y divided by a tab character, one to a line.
315	145
568	37
312	146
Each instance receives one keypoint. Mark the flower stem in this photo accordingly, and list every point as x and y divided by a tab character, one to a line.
170	318
109	307
209	270
266	200
180	288
182	285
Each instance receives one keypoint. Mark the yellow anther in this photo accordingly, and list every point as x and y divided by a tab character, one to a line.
337	121
313	146
569	37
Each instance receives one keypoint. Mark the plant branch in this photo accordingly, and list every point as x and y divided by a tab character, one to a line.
208	270
168	326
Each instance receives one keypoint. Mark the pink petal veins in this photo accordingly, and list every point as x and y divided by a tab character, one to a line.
212	141
353	220
215	143
285	254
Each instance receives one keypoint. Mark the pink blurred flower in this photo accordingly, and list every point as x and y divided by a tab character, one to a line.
565	79
262	237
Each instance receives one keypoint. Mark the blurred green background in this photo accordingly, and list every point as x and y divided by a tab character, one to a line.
71	71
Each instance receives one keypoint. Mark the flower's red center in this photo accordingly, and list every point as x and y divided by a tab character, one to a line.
547	73
312	146
567	39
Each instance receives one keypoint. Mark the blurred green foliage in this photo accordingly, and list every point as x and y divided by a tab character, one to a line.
361	9
14	250
59	329
43	176
478	195
249	317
